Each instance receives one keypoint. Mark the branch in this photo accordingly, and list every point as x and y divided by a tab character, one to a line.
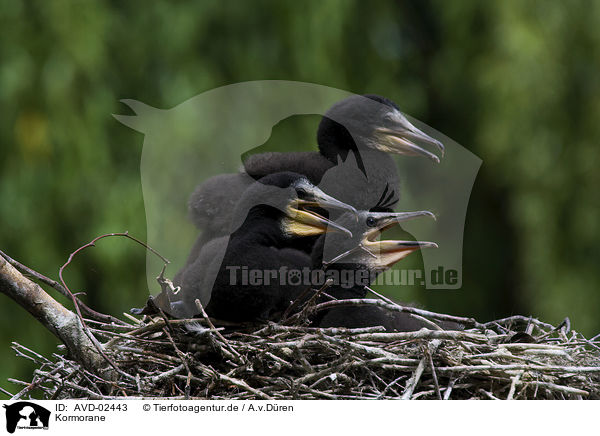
42	278
63	323
395	307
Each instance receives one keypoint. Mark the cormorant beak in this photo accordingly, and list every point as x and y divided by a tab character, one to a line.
384	220
317	198
404	139
305	221
302	222
386	253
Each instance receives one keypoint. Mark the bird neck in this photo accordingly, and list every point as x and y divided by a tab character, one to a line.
262	227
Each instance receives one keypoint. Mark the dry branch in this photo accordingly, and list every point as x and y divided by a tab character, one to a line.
156	357
63	323
200	358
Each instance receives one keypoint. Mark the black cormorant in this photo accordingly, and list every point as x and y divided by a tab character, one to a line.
364	253
243	270
366	128
354	139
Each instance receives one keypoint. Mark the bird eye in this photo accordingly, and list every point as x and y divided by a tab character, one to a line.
301	192
371	221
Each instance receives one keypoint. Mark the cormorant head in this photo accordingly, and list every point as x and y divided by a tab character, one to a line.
382	254
373	122
302	216
365	249
290	199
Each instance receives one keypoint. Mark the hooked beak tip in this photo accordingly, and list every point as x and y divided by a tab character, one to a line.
440	146
431	215
332	226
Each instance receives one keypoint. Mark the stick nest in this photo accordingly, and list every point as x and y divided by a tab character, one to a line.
516	357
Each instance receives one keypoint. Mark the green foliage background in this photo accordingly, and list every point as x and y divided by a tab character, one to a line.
516	82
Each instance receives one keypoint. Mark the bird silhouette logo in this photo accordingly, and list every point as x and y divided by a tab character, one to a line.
203	141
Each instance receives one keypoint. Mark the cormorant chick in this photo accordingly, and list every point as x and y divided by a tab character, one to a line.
365	253
272	218
368	128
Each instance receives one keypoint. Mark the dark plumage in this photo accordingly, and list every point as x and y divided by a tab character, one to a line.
272	216
369	316
354	139
364	252
211	207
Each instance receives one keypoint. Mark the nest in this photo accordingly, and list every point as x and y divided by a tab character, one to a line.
154	357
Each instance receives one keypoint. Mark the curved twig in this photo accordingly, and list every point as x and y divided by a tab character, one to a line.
54	284
75	300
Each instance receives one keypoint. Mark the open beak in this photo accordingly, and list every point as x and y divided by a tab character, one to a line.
384	220
304	222
317	198
406	139
387	252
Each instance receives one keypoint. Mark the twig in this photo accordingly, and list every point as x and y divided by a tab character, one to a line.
414	380
429	352
34	384
307	307
449	389
86	330
513	385
216	331
53	283
54	316
297	362
184	361
398	308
